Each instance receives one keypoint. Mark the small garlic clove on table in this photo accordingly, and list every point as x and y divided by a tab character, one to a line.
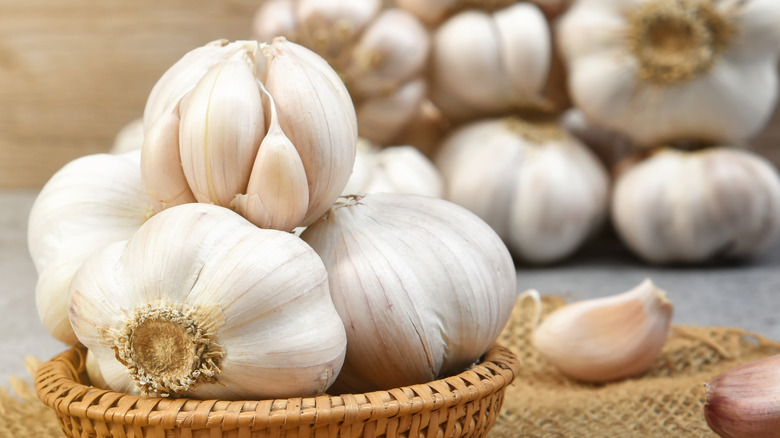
745	401
610	338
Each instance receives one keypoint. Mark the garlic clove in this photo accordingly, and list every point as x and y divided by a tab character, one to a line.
526	65
609	338
316	113
161	169
382	118
221	129
744	401
181	77
277	195
129	138
393	49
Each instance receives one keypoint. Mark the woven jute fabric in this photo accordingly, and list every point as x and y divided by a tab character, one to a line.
667	401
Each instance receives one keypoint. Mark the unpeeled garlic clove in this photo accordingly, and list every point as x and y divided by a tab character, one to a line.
609	338
744	401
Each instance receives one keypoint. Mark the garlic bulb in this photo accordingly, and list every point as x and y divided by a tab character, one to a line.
607	338
393	169
90	202
380	52
744	401
129	138
267	129
662	70
201	303
486	64
679	206
423	286
539	188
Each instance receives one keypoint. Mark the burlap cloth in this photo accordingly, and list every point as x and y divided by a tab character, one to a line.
666	402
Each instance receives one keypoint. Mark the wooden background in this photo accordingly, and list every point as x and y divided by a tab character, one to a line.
73	72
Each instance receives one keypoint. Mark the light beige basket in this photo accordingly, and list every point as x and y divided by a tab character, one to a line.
465	405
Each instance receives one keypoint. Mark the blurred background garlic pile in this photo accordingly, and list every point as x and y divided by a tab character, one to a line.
681	80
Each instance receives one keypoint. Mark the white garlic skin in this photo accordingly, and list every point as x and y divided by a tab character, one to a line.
728	102
393	169
209	115
266	289
485	64
609	338
543	197
691	207
742	402
424	287
90	202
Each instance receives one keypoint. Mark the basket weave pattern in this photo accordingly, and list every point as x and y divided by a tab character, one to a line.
465	405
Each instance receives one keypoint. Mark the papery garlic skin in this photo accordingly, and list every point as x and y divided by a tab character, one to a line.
664	70
252	304
393	169
541	190
486	64
90	202
424	287
210	114
609	338
743	402
380	52
690	207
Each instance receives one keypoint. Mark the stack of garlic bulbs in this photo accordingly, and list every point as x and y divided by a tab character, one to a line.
175	265
668	72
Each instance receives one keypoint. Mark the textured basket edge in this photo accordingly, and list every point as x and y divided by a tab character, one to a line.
57	387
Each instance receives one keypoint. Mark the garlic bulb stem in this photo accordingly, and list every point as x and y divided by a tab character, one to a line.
674	41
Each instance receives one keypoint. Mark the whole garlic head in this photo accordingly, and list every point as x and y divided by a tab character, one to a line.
267	129
689	207
424	287
540	189
663	70
90	202
201	303
491	63
380	52
393	169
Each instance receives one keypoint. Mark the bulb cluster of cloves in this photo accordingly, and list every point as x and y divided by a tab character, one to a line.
380	53
267	129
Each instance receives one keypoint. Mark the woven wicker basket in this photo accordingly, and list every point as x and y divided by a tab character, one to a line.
465	405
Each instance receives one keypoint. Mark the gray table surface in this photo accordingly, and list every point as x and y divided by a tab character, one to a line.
745	295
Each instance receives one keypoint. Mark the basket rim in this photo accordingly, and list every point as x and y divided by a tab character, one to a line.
57	385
